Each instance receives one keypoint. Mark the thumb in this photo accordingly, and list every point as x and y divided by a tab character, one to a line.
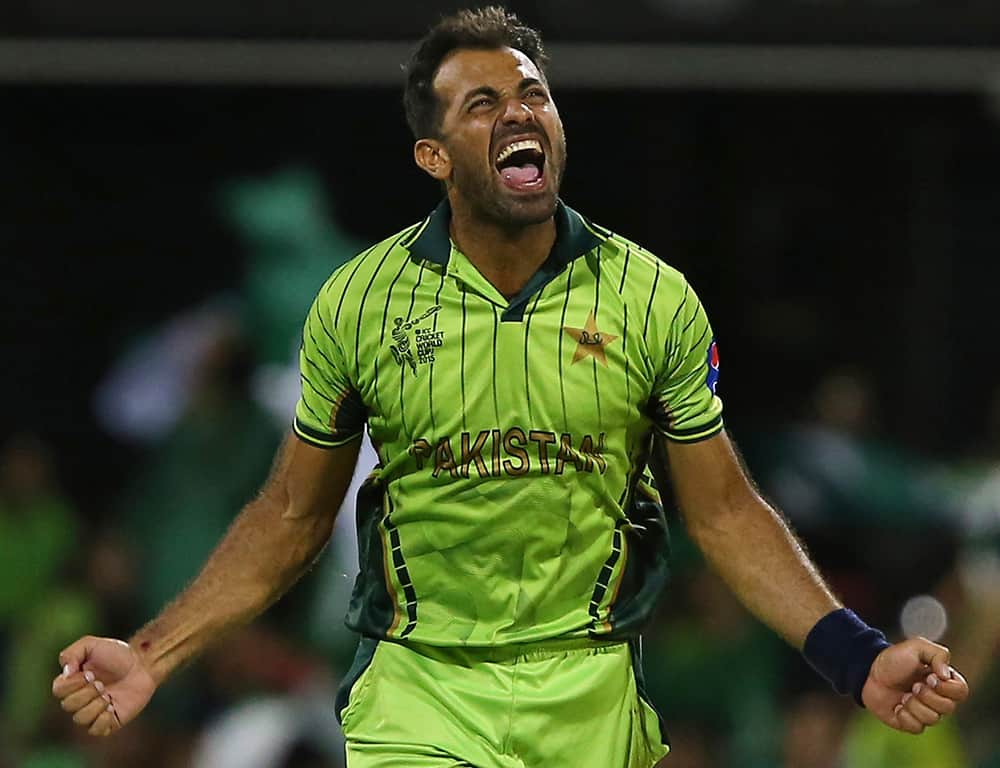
72	657
937	657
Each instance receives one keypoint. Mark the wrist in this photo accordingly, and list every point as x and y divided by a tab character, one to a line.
841	648
150	659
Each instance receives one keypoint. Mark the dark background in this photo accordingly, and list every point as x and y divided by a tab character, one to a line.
820	230
907	22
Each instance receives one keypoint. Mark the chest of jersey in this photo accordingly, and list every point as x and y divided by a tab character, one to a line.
508	390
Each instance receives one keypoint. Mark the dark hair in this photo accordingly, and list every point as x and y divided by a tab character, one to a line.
490	27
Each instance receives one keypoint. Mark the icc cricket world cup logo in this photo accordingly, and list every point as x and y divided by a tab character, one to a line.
403	348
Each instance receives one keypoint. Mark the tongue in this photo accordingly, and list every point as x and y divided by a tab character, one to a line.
523	175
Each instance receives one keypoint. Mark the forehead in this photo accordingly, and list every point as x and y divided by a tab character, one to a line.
467	68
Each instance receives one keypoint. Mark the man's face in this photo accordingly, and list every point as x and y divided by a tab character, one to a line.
501	135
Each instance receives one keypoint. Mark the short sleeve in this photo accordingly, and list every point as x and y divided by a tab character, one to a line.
330	411
684	404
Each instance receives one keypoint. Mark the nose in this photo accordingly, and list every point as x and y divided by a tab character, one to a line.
517	112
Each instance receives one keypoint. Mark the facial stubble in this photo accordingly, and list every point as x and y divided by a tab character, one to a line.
485	194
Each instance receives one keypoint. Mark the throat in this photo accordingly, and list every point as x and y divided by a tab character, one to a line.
508	277
507	258
508	285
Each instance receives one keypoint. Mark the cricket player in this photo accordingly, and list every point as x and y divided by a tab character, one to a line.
521	371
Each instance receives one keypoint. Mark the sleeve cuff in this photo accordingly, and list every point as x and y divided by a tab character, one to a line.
695	434
319	439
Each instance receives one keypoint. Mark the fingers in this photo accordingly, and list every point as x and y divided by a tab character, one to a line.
916	680
907	722
89	712
85	698
929	701
937	657
105	724
80	698
72	657
63	686
922	713
932	699
956	689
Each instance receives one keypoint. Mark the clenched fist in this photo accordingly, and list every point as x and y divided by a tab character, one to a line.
912	685
104	684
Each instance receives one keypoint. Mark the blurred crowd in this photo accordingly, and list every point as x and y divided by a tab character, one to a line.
205	399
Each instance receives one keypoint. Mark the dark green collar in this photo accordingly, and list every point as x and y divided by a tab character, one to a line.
573	238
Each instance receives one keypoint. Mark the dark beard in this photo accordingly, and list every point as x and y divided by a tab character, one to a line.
506	213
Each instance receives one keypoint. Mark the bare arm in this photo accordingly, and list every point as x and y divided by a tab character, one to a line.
745	540
909	685
271	543
268	547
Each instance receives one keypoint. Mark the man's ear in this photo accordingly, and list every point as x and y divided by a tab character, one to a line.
432	156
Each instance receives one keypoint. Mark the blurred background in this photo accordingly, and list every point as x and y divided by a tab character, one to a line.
179	178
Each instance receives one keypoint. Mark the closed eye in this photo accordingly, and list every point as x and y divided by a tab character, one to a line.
480	104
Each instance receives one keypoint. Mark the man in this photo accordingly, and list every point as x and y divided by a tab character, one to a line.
517	367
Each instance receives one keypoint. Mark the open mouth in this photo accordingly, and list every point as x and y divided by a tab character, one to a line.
521	165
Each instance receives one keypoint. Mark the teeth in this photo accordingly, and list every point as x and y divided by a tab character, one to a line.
517	146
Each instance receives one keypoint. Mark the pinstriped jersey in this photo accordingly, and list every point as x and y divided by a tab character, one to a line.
509	504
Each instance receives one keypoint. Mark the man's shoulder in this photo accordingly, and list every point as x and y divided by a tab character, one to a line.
395	244
362	274
640	266
370	261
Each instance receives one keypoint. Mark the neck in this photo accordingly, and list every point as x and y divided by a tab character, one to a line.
507	256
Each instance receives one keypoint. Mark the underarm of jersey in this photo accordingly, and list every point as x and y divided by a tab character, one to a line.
327	422
694	434
708	424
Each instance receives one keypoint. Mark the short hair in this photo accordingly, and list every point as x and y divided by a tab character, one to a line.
486	28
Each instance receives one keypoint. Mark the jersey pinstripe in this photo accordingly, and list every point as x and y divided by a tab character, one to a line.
510	503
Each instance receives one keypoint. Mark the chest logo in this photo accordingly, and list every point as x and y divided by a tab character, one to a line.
589	341
415	340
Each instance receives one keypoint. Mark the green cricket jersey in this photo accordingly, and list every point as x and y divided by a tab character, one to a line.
509	503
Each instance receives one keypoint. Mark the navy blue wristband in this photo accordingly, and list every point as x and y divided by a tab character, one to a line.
841	647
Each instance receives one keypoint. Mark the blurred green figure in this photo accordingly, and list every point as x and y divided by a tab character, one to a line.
39	611
867	745
285	224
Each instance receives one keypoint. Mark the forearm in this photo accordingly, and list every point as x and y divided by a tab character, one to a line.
264	552
756	554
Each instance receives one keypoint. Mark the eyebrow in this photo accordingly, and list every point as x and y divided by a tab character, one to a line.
486	90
